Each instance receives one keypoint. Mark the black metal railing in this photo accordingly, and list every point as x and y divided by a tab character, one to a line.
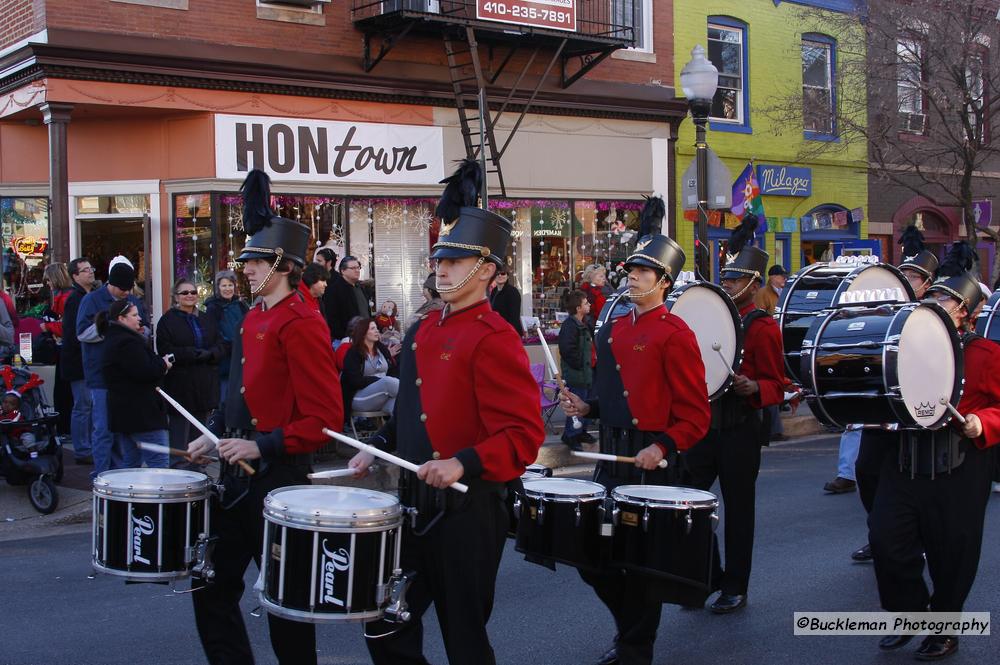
612	20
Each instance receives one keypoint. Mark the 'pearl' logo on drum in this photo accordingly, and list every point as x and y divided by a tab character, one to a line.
141	526
332	563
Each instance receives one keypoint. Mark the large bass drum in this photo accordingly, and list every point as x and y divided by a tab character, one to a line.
988	323
820	287
890	365
711	315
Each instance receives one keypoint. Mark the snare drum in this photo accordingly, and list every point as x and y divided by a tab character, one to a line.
664	532
886	365
560	519
530	472
819	287
146	522
330	553
988	325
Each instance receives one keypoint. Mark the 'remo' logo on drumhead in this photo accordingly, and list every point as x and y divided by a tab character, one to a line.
331	563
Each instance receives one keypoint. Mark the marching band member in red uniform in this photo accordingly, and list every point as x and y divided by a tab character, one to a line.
652	402
932	497
467	410
731	451
274	421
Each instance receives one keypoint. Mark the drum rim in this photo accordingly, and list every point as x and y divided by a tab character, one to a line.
162	576
150	493
986	318
306	616
568	498
617	494
355	522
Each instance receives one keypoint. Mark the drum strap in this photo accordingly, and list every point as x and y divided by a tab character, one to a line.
932	452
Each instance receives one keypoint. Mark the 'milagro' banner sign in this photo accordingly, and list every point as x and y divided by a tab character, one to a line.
328	151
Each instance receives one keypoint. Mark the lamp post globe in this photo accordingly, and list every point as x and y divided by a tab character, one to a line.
699	79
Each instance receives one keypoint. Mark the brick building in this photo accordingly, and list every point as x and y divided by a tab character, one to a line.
126	126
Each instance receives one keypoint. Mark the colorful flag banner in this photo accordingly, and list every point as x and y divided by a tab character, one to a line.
840	220
746	195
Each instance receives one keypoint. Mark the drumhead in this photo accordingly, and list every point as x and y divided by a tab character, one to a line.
331	506
563	487
714	319
876	277
986	323
926	365
665	496
151	484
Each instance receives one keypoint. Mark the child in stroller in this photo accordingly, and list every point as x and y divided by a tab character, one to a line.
30	451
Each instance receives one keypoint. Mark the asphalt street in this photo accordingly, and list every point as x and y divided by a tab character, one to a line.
55	611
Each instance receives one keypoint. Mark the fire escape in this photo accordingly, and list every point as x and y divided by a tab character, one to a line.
479	52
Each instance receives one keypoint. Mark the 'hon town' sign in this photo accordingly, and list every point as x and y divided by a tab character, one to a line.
328	151
778	180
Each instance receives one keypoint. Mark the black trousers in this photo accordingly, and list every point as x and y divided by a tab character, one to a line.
456	565
942	518
732	456
636	615
874	448
217	604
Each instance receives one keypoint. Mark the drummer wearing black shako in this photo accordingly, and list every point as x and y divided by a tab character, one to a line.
273	421
731	450
932	493
652	402
467	411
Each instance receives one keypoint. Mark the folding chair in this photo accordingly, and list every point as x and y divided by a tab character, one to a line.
548	404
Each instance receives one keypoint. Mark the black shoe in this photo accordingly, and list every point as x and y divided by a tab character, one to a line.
893	642
936	647
610	657
586	437
863	554
727	603
84	460
840	485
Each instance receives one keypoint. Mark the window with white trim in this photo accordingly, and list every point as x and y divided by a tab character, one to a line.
909	86
818	86
638	15
726	51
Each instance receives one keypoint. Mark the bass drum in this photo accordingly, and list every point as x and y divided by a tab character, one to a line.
988	325
713	317
819	287
883	366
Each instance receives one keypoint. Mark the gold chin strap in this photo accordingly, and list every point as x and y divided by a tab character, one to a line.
452	289
270	274
755	276
653	290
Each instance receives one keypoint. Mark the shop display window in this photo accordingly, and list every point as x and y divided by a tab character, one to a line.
193	242
24	224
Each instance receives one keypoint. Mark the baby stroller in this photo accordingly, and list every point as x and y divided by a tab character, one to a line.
30	451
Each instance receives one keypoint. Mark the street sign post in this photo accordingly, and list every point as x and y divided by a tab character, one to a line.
720	185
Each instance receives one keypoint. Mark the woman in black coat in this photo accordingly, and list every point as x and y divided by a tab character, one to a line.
132	372
506	300
226	309
192	337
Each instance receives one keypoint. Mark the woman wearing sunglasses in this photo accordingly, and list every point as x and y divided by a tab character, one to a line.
193	338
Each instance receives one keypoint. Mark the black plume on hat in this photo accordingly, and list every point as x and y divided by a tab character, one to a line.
742	235
651	216
912	240
463	187
256	191
958	261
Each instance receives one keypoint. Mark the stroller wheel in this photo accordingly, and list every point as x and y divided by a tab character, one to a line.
43	495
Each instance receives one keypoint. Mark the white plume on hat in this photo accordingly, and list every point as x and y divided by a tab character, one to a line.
120	259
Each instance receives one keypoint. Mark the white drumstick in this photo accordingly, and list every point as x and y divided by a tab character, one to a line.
614	458
200	426
958	416
167	450
333	473
577	423
388	457
718	349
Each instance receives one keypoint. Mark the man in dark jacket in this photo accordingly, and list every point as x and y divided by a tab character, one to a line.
346	299
575	345
506	300
71	360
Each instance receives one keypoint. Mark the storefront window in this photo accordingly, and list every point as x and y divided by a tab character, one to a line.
24	223
193	244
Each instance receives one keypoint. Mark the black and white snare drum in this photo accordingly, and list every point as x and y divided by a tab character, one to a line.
883	366
331	553
560	519
988	324
821	286
147	522
664	531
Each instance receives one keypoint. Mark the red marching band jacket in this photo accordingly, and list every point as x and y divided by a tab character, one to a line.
290	384
982	389
763	360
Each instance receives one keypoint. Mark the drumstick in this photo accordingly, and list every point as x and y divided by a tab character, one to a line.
201	427
718	349
334	473
577	424
157	448
614	458
958	416
388	457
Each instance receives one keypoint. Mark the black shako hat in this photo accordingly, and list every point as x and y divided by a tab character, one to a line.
268	236
956	279
742	260
465	229
655	250
916	256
